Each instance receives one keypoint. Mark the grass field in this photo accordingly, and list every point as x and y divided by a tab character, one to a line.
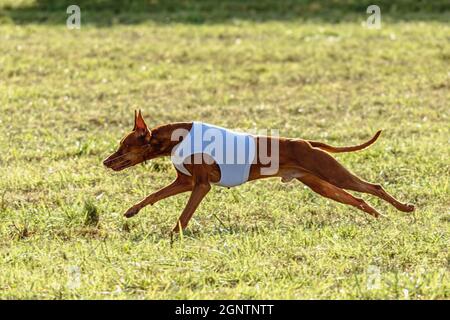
67	97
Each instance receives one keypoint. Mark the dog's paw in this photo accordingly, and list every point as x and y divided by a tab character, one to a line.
410	208
177	227
131	212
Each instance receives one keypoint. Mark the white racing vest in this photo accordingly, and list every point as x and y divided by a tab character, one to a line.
233	152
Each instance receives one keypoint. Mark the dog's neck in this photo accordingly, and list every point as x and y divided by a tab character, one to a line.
162	141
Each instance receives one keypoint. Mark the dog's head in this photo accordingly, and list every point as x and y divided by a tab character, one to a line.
133	148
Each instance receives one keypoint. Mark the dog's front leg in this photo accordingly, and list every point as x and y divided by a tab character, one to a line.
183	183
198	193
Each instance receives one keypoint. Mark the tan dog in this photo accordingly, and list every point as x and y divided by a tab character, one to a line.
306	161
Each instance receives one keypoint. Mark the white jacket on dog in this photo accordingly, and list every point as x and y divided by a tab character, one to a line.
234	152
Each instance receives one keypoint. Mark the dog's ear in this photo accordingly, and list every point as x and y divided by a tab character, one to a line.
139	124
135	118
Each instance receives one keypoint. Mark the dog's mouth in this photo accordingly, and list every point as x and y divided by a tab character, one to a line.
121	165
117	165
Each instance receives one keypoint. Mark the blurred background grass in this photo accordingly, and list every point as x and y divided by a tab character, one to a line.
109	12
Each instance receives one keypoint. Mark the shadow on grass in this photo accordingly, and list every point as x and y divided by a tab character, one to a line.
111	12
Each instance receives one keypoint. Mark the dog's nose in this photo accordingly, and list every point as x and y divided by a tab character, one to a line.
106	162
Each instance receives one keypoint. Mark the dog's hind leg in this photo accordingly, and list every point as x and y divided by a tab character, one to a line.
328	190
337	175
323	165
356	184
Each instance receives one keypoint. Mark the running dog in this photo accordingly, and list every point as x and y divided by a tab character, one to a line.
307	161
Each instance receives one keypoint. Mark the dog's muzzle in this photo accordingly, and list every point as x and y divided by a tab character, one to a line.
116	163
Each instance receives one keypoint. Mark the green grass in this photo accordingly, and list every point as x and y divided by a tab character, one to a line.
67	97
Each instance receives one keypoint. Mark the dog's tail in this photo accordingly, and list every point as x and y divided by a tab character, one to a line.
332	149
